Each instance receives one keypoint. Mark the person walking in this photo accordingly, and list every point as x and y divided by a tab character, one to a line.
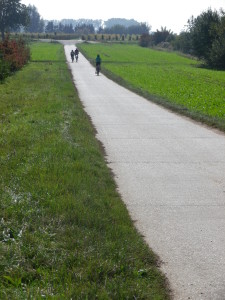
76	54
72	53
98	62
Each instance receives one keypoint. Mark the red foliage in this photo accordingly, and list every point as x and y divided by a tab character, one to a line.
16	53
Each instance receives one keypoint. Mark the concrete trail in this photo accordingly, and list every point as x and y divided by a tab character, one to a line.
170	172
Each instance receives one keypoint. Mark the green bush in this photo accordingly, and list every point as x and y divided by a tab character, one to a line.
145	40
217	54
4	70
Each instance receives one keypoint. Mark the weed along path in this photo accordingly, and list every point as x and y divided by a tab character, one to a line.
171	175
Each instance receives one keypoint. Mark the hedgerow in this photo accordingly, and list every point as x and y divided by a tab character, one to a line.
14	54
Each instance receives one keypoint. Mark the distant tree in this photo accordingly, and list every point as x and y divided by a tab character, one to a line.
12	14
50	27
183	42
217	53
68	29
205	38
163	35
145	40
120	21
203	30
116	29
100	30
95	23
139	29
42	25
84	29
60	27
36	24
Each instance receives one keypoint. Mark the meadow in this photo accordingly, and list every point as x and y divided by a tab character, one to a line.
177	82
64	230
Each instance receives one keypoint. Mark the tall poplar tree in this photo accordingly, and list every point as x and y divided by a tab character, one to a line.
36	23
12	14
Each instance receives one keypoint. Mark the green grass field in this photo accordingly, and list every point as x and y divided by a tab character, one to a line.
167	78
64	231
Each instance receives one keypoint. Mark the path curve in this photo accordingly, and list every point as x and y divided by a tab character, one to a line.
170	172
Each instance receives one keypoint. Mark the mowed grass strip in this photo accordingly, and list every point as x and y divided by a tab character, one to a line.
64	231
167	78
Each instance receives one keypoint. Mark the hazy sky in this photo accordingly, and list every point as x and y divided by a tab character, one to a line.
170	13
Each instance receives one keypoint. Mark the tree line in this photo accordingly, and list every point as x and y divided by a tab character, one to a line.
111	26
140	28
69	29
17	17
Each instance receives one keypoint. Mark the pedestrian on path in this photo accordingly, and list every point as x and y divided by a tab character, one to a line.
98	64
76	54
72	53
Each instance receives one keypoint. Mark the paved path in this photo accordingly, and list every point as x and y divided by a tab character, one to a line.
171	175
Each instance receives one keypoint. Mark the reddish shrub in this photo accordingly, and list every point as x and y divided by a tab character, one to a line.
16	53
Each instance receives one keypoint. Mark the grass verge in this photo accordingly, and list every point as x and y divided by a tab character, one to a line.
64	231
171	80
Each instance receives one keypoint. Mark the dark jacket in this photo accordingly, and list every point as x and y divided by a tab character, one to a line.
98	60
